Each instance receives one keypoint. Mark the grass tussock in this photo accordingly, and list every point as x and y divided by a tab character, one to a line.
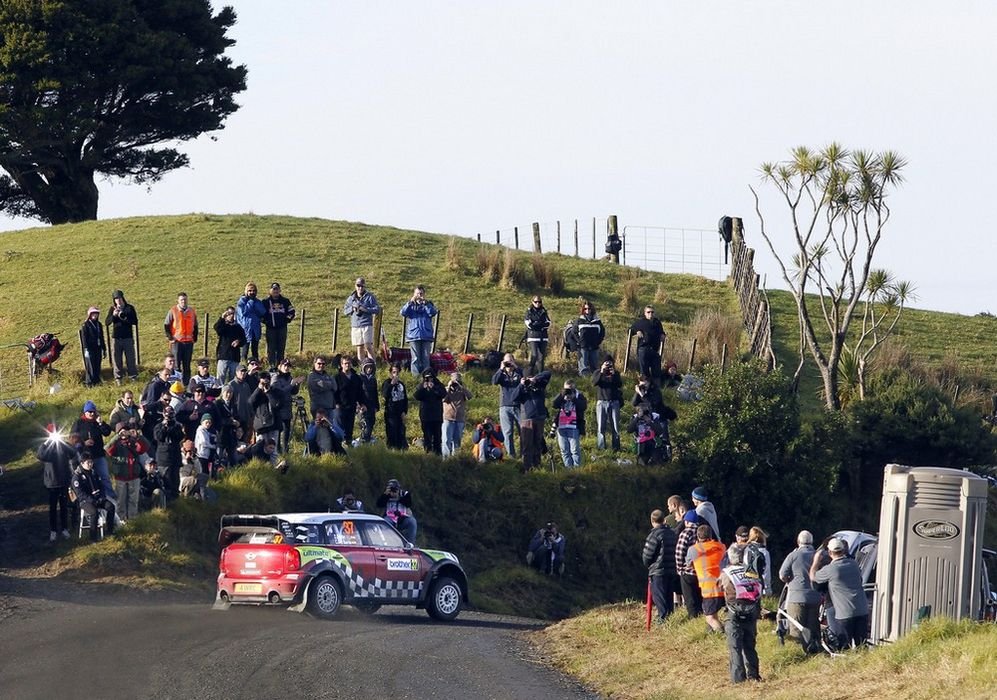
712	329
453	258
513	275
610	650
488	260
546	274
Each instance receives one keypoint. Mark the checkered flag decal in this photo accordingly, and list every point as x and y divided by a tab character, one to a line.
398	590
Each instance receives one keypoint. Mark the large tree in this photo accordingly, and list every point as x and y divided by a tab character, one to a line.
837	202
105	87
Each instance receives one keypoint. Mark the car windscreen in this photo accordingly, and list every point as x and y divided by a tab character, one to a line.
379	534
342	532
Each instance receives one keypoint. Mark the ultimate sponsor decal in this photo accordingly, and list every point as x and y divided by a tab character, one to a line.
310	554
403	564
936	530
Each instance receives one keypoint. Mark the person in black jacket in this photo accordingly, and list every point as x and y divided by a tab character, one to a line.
650	335
231	338
169	435
349	395
590	333
90	496
279	313
122	319
532	398
395	408
659	558
287	388
265	401
94	348
430	394
537	325
609	397
370	403
58	457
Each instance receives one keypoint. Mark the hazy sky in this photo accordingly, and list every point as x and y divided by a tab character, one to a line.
466	117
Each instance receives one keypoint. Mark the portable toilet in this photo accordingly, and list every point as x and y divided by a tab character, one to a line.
930	555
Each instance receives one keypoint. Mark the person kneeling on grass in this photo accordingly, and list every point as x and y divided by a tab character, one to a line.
546	550
488	441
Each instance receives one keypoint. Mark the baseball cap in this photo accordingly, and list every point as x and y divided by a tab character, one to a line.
360	281
275	285
742	532
203	362
836	544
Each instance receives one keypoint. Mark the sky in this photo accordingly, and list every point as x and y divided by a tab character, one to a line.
467	117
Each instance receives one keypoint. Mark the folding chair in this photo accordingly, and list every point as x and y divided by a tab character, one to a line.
86	524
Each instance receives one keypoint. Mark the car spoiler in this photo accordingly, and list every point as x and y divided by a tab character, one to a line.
232	527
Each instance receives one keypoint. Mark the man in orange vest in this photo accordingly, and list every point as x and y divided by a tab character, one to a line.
705	557
181	330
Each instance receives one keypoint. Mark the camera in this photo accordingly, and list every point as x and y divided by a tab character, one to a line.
568	393
298	401
552	432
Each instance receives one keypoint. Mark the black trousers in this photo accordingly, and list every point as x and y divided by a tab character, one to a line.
691	595
649	361
276	344
394	428
58	499
432	436
183	352
661	594
741	635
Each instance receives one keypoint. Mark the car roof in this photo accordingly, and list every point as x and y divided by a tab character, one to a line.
307	518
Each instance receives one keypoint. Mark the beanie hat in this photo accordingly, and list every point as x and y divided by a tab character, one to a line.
89	406
177	387
691	517
118	294
206	418
93	310
699	494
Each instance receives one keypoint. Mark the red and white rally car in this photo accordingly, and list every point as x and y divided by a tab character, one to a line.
318	561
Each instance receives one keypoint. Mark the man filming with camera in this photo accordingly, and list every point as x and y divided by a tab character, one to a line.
569	423
508	378
546	550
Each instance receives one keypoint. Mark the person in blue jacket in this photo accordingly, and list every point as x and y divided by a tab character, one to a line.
419	330
249	313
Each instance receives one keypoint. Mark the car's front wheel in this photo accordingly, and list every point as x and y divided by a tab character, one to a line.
324	597
445	599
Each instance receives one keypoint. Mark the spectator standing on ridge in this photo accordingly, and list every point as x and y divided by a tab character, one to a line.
321	388
802	599
395	397
430	394
645	392
231	338
169	436
569	418
279	311
705	557
152	402
508	377
241	391
419	330
532	398
759	538
249	313
691	595
650	335
397	504
742	595
57	457
705	509
454	413
349	396
152	487
590	333
123	320
181	330
370	403
361	306
90	431
125	410
609	397
94	348
659	558
843	578
537	325
127	450
287	388
266	408
202	378
322	437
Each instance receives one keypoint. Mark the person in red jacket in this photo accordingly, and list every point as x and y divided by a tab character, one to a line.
127	450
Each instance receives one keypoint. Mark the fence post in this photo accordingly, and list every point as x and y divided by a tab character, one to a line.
593	238
467	337
536	237
576	238
723	359
404	329
558	236
515	237
501	333
436	329
479	238
498	238
335	328
377	334
611	231
207	331
692	355
626	356
301	333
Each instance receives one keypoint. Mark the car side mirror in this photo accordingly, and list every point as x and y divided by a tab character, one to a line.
408	546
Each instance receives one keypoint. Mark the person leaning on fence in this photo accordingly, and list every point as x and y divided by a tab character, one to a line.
362	306
488	441
569	421
419	312
537	325
395	397
649	333
508	377
181	330
94	348
249	313
590	333
231	338
279	313
122	320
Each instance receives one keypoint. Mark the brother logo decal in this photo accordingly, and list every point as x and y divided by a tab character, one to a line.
936	530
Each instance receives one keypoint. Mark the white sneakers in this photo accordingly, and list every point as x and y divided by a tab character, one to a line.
53	536
65	534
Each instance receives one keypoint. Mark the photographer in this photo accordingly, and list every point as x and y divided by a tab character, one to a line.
90	496
645	429
645	392
57	457
609	397
488	441
127	450
370	401
169	435
546	550
90	431
349	503
323	437
397	504
395	397
266	451
430	395
454	413
287	388
532	398
537	323
265	401
419	329
508	378
569	423
152	488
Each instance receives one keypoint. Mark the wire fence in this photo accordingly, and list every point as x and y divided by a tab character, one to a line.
677	250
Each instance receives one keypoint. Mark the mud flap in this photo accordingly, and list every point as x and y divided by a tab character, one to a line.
300	607
220	604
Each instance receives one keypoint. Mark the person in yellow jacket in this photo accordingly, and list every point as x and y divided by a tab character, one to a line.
705	557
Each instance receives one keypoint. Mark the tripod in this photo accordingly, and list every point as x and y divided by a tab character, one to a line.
300	419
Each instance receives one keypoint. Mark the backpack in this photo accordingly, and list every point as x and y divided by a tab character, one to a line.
570	337
751	560
45	348
492	360
725	228
748	593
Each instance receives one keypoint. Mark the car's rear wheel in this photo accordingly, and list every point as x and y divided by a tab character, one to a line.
367	607
324	597
445	599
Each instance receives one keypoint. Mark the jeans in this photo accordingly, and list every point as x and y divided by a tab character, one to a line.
123	358
276	344
607	414
649	362
127	495
486	452
58	498
661	594
226	370
251	350
408	526
588	360
100	467
741	646
453	432
420	355
570	444
509	421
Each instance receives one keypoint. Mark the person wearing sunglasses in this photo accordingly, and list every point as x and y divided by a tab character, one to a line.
361	306
537	324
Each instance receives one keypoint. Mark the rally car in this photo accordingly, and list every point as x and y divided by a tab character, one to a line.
319	561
